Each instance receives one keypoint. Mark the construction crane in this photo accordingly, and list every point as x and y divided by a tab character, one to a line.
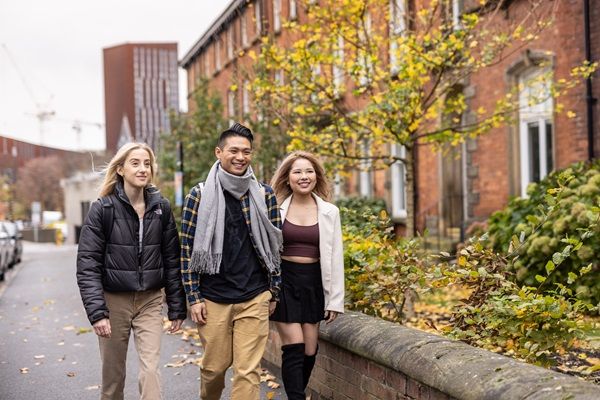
43	112
77	126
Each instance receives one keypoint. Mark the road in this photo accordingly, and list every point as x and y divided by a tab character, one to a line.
48	351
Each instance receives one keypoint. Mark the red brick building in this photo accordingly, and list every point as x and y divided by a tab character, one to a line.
14	154
451	192
140	89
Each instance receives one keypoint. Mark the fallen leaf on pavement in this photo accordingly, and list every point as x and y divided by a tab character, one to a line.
270	395
70	374
273	385
93	387
69	328
24	370
82	330
39	357
185	361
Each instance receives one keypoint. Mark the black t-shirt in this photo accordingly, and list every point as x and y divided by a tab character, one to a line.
241	275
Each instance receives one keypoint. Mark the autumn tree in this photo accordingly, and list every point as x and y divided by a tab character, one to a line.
363	78
39	180
197	131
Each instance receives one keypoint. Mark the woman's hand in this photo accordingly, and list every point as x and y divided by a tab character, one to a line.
330	316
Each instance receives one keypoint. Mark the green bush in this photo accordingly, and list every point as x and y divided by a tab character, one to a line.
500	315
380	268
573	211
357	211
529	322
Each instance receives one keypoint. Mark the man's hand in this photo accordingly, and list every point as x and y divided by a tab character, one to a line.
272	306
175	325
102	328
198	312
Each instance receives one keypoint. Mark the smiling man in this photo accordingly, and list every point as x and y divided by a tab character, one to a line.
230	263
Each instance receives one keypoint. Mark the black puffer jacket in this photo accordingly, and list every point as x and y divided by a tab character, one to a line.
113	264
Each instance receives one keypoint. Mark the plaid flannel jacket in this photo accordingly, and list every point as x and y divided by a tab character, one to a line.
191	279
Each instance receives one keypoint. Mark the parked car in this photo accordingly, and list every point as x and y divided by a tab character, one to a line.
5	252
16	242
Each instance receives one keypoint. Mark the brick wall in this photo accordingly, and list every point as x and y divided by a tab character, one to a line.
493	164
362	357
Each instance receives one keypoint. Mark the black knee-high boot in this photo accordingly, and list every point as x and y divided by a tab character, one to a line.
309	363
292	361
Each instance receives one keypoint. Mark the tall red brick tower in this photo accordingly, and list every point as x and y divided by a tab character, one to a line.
140	89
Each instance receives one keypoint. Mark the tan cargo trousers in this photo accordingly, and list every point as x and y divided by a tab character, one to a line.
140	312
234	334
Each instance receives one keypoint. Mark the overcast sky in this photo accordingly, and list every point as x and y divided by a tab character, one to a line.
57	46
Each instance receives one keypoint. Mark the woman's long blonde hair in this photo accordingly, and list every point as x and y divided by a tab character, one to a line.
280	181
111	177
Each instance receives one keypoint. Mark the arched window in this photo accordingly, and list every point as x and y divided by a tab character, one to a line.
536	128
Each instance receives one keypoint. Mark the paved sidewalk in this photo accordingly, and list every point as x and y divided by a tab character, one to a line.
48	351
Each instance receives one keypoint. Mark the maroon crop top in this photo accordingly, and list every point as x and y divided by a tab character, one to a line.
300	240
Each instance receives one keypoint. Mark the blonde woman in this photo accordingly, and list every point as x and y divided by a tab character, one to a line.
128	252
312	265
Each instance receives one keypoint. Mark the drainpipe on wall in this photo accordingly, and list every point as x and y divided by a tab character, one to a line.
590	100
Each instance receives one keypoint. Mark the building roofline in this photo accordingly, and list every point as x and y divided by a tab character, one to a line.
215	27
125	44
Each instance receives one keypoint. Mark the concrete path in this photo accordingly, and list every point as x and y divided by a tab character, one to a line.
48	351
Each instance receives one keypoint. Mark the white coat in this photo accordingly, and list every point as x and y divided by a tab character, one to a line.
331	252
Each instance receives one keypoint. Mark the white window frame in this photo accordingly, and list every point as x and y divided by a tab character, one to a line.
397	17
245	99
244	29
230	43
337	70
218	54
316	72
279	77
398	180
365	186
541	114
397	28
337	186
293	10
231	106
257	17
457	10
277	16
365	78
206	65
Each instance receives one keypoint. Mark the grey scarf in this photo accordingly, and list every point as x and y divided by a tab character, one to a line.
207	252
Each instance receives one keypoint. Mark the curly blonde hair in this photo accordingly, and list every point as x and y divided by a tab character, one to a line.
280	181
111	177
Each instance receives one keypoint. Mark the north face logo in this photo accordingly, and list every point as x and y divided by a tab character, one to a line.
158	211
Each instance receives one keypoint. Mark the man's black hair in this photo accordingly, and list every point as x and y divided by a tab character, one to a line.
235	130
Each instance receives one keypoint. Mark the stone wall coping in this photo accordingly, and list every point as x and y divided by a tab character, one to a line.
452	367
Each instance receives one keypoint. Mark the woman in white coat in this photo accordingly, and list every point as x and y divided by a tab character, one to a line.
312	265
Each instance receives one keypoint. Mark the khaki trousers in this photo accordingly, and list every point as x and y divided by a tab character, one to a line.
142	313
234	334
